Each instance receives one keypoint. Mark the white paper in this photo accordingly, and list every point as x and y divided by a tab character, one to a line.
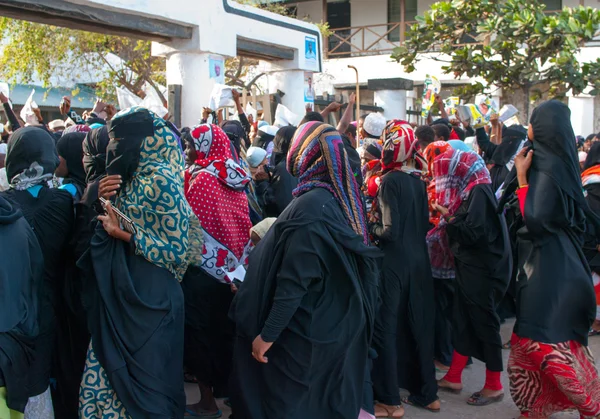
153	102
4	89
27	114
127	99
220	97
285	117
507	112
251	111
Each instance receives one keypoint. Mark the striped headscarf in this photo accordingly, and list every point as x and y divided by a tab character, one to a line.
400	148
318	159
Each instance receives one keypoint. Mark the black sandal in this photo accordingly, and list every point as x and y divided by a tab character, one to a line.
409	400
478	399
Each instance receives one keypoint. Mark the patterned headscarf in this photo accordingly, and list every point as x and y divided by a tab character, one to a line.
456	173
432	151
167	231
77	128
400	148
214	187
213	149
318	159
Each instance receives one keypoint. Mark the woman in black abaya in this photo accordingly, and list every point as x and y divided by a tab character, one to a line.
306	309
21	273
31	160
550	367
134	367
403	336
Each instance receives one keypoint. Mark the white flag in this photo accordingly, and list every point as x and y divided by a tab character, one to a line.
285	117
127	99
27	114
153	102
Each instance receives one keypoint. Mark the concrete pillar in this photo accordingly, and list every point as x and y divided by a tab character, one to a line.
393	103
190	69
582	114
291	82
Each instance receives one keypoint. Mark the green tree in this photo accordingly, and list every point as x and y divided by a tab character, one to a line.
511	44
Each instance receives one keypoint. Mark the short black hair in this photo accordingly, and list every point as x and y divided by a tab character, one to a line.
351	130
442	131
312	117
425	135
590	137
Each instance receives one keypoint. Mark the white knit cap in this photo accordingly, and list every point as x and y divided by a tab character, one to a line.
374	124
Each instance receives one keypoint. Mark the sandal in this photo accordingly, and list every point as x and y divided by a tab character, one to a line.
478	399
389	411
409	400
507	345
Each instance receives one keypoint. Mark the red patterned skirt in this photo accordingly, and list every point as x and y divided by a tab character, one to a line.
551	378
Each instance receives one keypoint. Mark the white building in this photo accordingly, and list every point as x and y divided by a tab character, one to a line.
364	35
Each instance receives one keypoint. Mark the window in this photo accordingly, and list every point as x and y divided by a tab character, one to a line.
395	15
552	5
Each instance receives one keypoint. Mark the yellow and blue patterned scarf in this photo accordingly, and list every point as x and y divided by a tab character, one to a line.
168	233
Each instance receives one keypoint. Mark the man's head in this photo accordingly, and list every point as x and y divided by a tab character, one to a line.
373	126
442	132
425	136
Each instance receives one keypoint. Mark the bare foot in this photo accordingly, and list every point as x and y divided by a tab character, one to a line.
441	367
436	405
387	411
446	385
490	393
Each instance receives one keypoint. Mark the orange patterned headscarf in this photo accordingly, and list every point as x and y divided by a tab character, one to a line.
437	148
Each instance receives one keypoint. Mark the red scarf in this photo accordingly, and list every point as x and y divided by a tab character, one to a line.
214	187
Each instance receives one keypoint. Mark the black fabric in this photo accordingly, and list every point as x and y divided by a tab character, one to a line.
236	133
12	118
263	140
28	145
555	294
275	194
512	137
136	318
138	124
479	241
311	286
70	148
209	332
94	153
123	157
593	157
21	273
444	303
592	241
51	217
403	336
353	159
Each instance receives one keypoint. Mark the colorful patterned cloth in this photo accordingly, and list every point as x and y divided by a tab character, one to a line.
400	148
456	173
318	159
97	398
214	187
431	152
591	176
168	233
551	378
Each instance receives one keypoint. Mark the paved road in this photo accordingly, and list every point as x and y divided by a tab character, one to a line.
454	406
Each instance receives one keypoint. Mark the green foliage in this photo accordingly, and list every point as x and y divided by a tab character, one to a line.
54	52
512	44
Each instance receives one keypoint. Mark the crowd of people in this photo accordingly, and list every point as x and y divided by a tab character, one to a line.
296	272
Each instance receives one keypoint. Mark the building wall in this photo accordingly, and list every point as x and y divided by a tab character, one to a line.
310	10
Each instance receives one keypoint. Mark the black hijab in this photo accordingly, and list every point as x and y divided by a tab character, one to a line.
512	137
555	152
236	134
94	153
593	157
31	149
70	148
127	132
281	144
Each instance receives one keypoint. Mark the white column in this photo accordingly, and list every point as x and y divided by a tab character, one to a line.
393	103
191	71
291	82
582	112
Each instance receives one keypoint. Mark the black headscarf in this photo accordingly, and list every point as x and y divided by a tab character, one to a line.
512	137
593	157
31	153
126	135
70	148
281	144
94	153
555	152
236	133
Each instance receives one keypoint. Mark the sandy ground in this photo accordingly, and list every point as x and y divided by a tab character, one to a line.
454	406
